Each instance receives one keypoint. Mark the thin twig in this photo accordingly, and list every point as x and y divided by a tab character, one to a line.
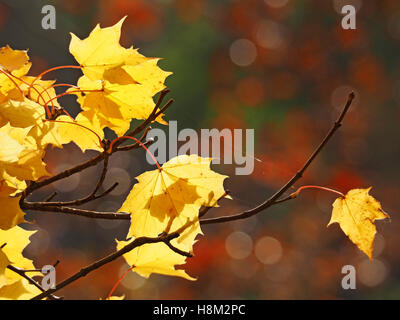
66	173
75	211
92	196
274	198
177	250
136	144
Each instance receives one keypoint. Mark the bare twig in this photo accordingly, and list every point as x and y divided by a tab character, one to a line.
75	211
177	250
274	198
136	144
66	173
92	196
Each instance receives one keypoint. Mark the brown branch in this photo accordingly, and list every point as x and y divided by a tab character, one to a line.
274	198
66	173
35	185
92	196
75	211
84	271
177	250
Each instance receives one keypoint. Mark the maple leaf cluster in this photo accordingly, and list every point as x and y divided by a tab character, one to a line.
117	85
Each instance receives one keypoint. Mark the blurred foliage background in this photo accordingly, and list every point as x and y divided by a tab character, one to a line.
282	67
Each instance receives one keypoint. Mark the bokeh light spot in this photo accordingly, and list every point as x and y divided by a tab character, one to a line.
238	245
243	52
268	250
372	273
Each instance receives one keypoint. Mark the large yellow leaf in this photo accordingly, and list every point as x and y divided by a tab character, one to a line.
167	200
15	62
356	213
118	101
125	80
178	190
101	51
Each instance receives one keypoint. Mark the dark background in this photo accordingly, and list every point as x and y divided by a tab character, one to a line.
282	67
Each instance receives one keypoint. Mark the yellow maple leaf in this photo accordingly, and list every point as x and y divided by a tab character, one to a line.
158	257
8	181
28	113
15	62
166	200
12	285
28	164
20	158
114	101
19	290
356	213
26	126
119	83
177	190
101	51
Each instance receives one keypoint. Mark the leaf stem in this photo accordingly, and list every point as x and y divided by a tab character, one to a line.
295	194
49	70
141	144
118	282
